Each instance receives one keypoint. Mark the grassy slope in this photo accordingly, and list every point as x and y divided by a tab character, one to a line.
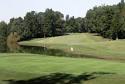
83	43
25	66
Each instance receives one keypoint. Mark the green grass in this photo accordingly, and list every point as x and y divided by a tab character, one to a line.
25	66
83	43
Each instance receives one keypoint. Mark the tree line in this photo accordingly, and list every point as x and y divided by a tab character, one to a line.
38	25
108	21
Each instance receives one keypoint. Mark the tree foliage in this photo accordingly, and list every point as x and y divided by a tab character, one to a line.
108	21
3	35
35	25
73	25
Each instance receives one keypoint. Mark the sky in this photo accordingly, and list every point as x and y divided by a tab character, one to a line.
77	8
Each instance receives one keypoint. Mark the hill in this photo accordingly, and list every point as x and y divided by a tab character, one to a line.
25	68
84	44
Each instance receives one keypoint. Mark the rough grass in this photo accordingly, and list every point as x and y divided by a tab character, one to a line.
83	43
26	66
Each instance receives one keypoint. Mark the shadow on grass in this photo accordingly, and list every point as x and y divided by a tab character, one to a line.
60	78
51	52
61	53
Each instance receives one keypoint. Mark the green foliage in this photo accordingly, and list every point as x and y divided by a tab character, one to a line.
53	23
108	21
35	25
73	25
30	24
3	35
15	25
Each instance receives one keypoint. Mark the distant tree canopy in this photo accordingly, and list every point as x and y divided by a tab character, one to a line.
41	24
74	25
34	25
37	25
108	21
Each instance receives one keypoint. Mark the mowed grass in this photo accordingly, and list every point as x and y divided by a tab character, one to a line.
84	44
18	66
23	66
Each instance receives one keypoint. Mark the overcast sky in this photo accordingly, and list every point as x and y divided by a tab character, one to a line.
77	8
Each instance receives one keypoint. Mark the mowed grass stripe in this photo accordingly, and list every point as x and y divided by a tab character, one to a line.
38	64
19	66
